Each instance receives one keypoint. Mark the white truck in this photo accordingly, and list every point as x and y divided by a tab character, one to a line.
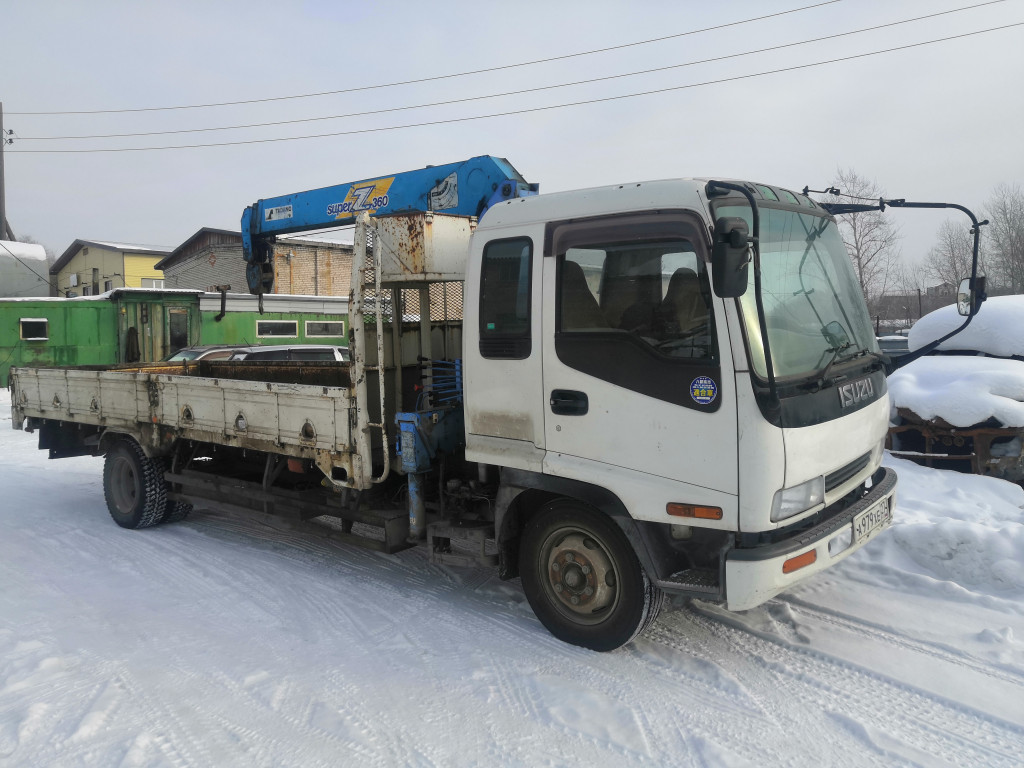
649	388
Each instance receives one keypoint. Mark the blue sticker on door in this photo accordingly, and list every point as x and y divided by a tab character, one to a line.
703	390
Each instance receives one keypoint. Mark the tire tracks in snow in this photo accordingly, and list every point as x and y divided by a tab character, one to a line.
892	637
926	723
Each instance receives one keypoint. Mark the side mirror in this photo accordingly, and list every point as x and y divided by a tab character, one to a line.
835	335
968	299
730	256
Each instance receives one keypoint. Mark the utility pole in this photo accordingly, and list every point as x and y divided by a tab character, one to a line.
5	227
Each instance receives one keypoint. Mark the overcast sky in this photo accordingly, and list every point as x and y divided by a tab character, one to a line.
941	122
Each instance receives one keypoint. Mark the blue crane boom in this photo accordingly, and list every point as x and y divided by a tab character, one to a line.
466	188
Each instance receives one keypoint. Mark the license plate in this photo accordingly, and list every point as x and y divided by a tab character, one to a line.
871	521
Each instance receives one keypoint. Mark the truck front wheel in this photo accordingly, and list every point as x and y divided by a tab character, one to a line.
133	485
583	579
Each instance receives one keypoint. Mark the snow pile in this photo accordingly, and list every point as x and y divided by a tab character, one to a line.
965	529
961	390
23	251
995	330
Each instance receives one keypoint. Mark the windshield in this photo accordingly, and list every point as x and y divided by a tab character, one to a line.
184	354
814	308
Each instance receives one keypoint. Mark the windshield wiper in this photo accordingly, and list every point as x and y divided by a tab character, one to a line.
821	375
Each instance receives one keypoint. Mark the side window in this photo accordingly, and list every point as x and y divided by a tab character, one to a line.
657	292
505	299
634	307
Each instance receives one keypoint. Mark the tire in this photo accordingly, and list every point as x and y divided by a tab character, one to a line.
583	579
176	511
133	486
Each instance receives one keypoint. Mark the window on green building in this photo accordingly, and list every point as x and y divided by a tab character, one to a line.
316	328
35	329
286	328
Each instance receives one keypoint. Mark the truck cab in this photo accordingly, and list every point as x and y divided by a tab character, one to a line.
601	367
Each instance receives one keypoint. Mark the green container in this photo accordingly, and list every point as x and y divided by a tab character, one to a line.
138	325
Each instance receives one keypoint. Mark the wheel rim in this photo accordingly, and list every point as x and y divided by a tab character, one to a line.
579	577
125	486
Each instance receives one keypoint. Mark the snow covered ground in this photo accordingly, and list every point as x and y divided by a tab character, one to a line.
243	641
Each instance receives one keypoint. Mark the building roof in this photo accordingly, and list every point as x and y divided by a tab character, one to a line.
182	251
69	253
179	253
16	250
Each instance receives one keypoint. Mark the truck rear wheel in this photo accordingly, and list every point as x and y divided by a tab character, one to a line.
176	511
133	486
583	579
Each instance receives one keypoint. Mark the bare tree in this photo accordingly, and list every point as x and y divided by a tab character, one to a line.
949	261
905	294
871	238
1005	235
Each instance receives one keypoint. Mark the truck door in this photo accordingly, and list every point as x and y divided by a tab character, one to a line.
633	369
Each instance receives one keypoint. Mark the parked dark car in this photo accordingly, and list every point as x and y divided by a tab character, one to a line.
210	352
310	352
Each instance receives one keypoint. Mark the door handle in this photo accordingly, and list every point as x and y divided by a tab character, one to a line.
568	402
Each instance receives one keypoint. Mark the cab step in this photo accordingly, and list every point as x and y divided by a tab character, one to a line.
698	581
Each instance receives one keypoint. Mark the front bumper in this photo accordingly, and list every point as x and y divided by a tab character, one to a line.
755	574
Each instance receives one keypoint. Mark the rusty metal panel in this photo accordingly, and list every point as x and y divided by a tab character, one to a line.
251	411
308	418
982	449
344	417
120	402
423	247
26	394
166	409
84	397
201	407
53	395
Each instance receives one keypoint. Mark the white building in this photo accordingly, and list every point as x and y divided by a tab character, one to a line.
23	270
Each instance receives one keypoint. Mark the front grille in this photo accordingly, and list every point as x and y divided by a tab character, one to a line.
841	475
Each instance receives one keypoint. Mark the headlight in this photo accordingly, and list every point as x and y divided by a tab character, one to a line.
800	498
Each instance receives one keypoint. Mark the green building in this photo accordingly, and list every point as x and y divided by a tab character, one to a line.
130	325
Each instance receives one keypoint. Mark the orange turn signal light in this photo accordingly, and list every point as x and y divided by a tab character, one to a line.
690	510
800	561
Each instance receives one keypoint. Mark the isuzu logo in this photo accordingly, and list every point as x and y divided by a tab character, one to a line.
855	392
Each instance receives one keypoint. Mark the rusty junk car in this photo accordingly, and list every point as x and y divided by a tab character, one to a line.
962	406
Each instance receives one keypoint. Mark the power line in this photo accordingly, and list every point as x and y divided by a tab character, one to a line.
443	77
517	92
530	109
26	266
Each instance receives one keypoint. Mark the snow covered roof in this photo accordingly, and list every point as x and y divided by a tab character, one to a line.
31	251
963	391
995	330
71	250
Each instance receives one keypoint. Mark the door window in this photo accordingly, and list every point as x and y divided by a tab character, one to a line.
655	292
505	299
633	306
